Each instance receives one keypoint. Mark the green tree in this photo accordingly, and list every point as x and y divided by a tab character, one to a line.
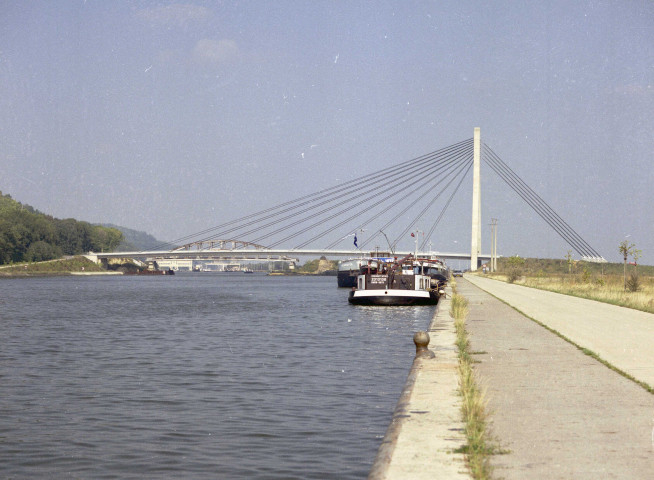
626	249
568	257
105	239
40	251
74	237
27	234
19	238
515	266
636	254
633	282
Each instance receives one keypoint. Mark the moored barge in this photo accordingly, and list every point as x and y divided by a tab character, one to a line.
409	281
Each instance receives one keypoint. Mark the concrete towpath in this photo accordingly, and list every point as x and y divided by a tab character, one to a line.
622	336
559	413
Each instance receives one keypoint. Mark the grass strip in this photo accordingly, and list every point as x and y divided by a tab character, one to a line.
473	408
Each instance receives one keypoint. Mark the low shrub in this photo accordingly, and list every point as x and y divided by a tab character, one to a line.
633	282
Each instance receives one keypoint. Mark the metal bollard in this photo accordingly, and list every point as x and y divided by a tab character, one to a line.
421	339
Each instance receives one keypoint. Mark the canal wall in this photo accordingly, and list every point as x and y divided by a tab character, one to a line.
426	429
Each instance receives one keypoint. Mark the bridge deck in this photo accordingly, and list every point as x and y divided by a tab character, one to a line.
249	253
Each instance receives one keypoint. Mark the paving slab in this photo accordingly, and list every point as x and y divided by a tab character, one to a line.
557	412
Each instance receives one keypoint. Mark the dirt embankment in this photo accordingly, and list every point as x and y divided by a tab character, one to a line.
324	266
61	266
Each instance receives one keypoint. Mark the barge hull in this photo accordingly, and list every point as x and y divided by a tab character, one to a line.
347	279
390	298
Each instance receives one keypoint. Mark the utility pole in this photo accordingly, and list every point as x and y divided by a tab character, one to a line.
495	248
475	247
493	262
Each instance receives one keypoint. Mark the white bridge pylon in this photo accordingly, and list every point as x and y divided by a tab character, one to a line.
475	244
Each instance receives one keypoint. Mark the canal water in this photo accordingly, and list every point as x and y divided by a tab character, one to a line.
196	376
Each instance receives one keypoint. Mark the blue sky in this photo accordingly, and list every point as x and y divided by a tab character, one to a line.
173	117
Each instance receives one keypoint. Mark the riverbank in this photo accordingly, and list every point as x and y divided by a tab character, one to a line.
77	265
291	273
426	435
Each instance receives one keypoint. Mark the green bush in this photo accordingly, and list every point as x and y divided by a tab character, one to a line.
633	282
585	276
515	267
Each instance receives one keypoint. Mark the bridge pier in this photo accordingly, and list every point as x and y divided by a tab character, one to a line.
95	258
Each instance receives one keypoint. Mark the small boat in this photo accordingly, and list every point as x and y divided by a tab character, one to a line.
409	281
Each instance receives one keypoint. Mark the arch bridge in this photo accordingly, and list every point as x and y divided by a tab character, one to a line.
208	245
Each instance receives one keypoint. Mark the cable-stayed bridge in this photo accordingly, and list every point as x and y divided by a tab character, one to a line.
392	201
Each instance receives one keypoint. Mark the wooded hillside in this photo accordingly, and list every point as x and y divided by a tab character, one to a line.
27	235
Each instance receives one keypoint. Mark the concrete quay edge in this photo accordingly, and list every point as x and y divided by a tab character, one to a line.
426	428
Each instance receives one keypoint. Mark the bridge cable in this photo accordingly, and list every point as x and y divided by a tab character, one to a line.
447	204
392	220
546	212
540	206
343	222
358	200
539	209
460	164
335	189
354	197
419	216
381	212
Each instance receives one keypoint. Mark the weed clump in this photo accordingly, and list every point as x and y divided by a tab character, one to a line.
473	407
